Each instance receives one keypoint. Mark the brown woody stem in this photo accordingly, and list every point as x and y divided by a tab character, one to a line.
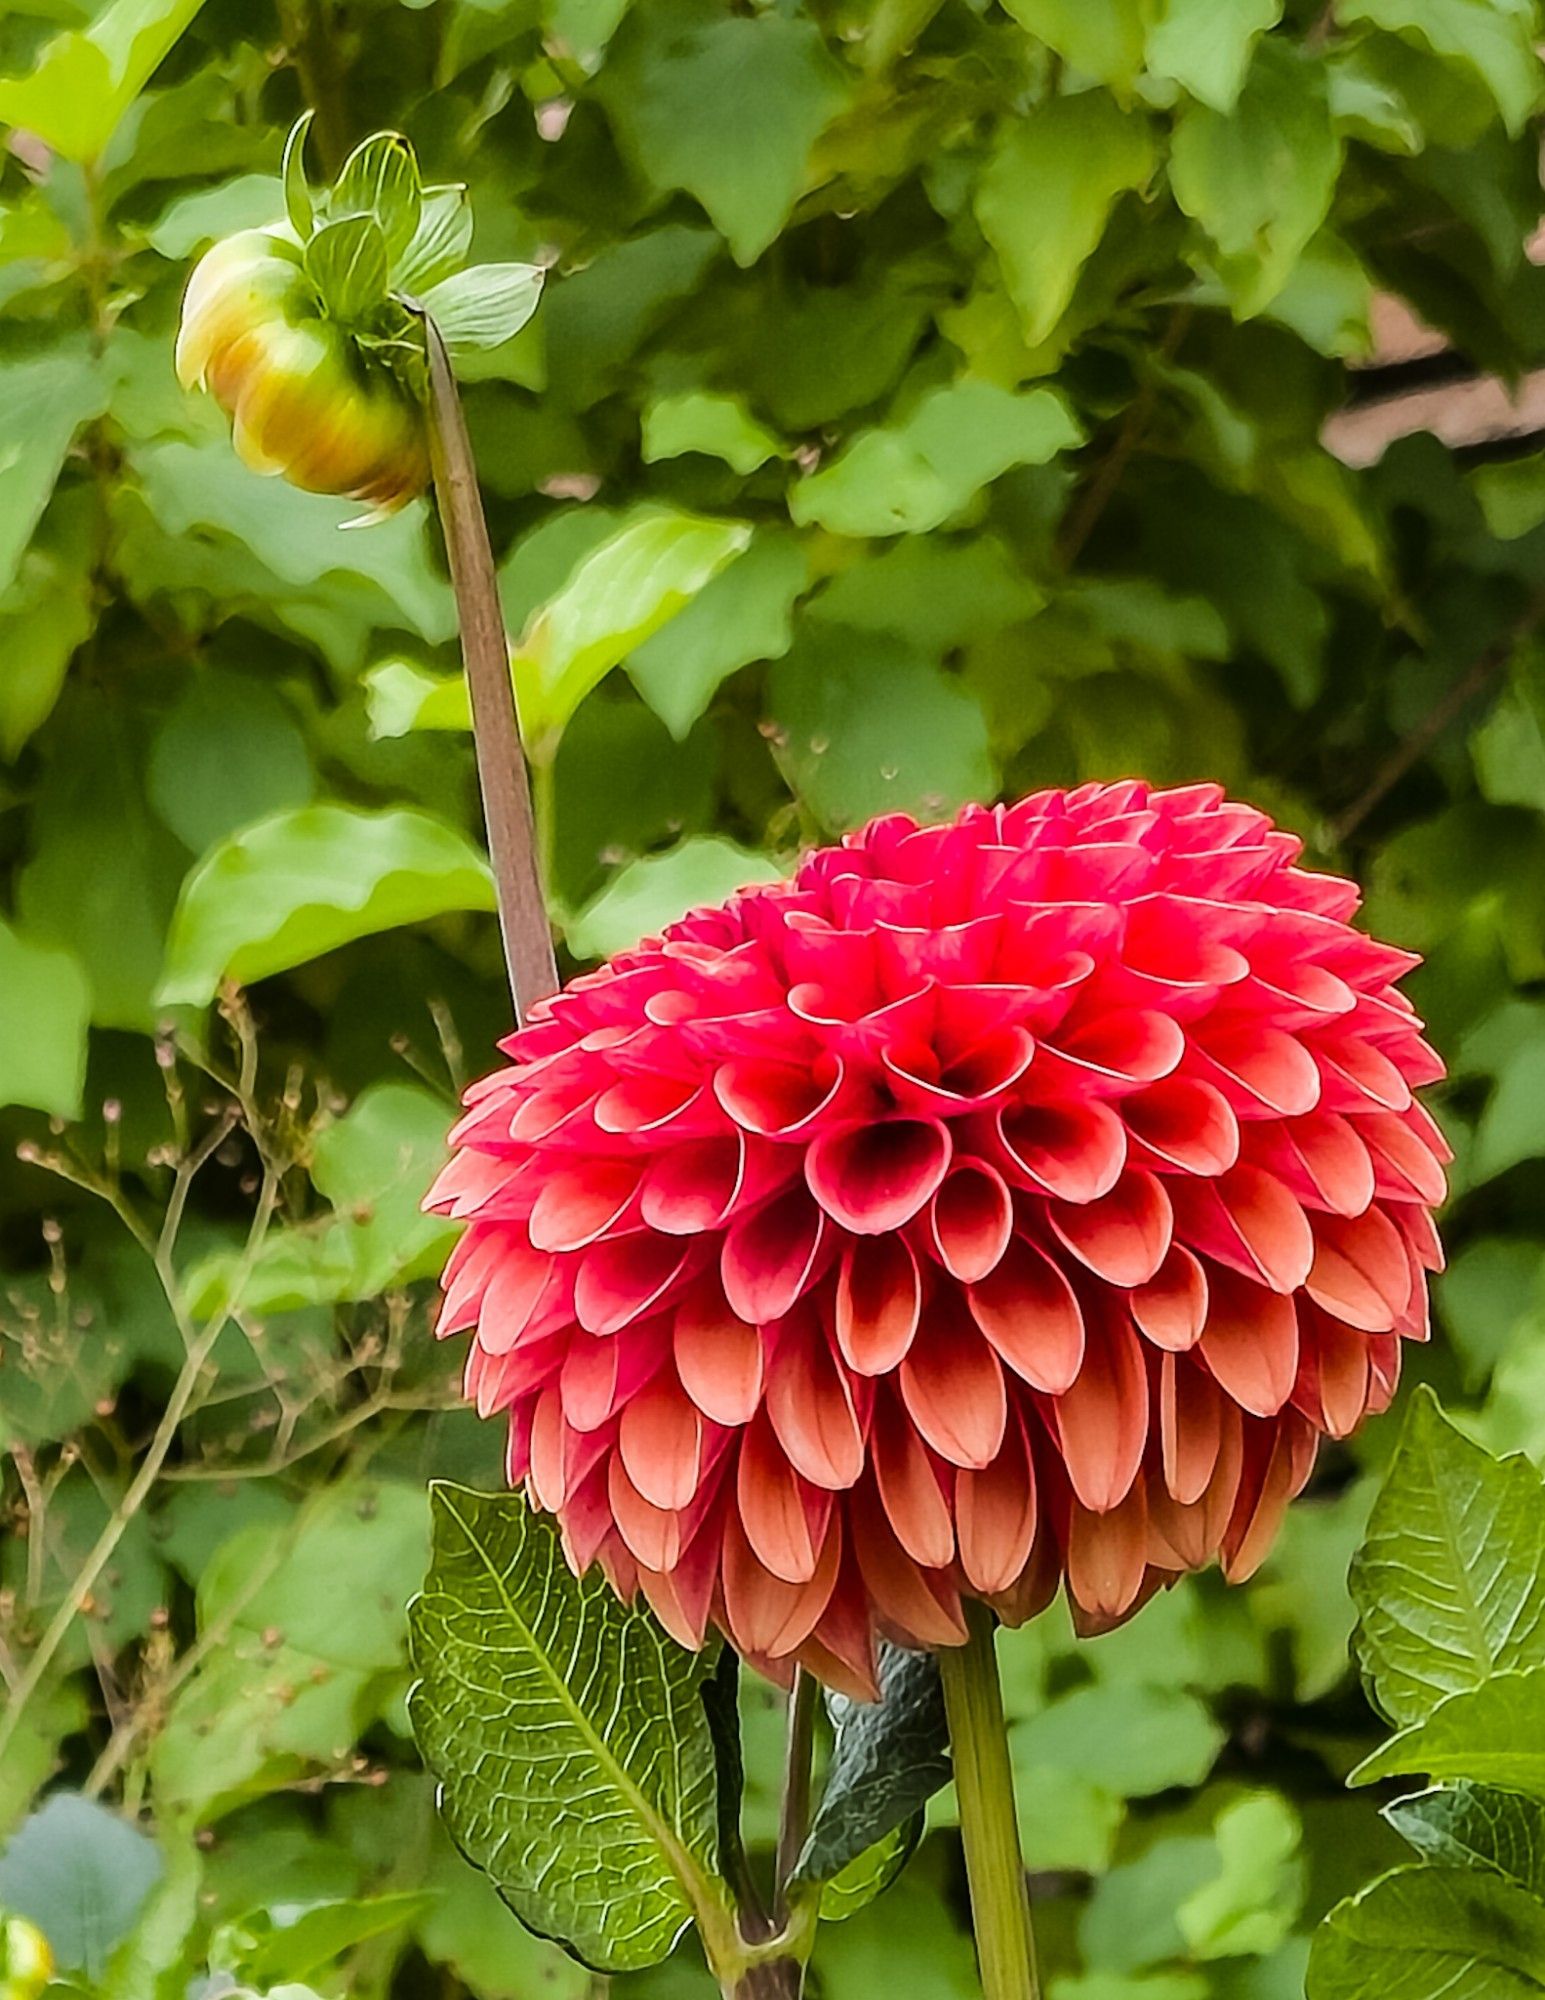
501	762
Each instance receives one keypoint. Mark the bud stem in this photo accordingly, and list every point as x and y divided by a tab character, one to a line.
501	763
984	1783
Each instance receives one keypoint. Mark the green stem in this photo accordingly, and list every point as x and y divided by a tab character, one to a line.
984	1784
794	1820
501	763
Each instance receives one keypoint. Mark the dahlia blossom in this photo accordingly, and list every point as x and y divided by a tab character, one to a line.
992	1205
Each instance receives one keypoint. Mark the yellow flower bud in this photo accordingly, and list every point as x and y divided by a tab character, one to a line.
26	1963
305	398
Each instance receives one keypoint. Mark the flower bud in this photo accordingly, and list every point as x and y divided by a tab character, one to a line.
306	398
26	1963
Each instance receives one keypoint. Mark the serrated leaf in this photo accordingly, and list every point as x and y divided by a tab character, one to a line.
440	243
1494	1733
567	1734
1476	1826
303	883
86	80
346	261
888	1759
646	895
1448	1582
912	475
727	108
80	1873
1045	195
1493	39
1206	48
1426	1931
485	306
1259	179
636	581
380	179
298	204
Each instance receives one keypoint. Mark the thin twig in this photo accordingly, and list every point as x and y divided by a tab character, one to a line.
1438	719
501	762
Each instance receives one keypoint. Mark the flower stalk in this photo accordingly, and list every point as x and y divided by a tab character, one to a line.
501	764
989	1826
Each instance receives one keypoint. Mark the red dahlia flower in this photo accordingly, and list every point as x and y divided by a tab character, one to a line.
991	1204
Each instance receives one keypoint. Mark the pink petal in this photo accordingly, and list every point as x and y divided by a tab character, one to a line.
662	1439
874	1178
970	1220
953	1389
1182	1123
1360	1273
813	1409
1250	1344
720	1359
771	1258
1072	1150
1029	1312
996	1512
1171	1308
879	1297
1121	1236
1101	1422
624	1277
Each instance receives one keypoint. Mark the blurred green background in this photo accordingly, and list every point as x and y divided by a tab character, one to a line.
927	403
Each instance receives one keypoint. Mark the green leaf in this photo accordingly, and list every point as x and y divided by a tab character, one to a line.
186	225
939	592
914	474
701	420
44	616
744	613
567	1734
43	402
1425	1931
86	80
1494	1733
1130	1740
1045	195
1259	180
645	896
1101	38
285	1944
304	883
346	261
870	1874
402	696
726	107
867	725
372	1166
888	1759
1448	1584
1206	49
298	203
911	1945
294	1675
228	752
1492	39
45	1006
79	1873
1251	1905
380	179
636	581
485	306
1476	1826
440	243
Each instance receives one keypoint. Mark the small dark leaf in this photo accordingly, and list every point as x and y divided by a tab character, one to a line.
888	1760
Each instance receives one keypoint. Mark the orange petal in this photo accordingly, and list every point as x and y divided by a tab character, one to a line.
1029	1312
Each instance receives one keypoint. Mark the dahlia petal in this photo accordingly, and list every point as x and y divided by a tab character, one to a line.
1030	1313
647	1103
601	1373
682	1597
1250	1343
1183	1124
1074	1151
1190	1427
1322	1160
1355	1075
1257	1068
1249	1222
720	1359
770	1259
874	1178
784	1519
909	1488
1194	1529
587	1519
621	1278
1405	1168
1101	1422
1107	1555
478	1255
953	1388
768	1614
1171	1308
1333	1375
696	1186
917	1604
840	1652
1132	1047
1122	1236
779	1100
986	1073
560	1455
1254	1526
662	1438
813	1410
579	1205
879	1299
1360	1273
970	1220
1421	1235
996	1512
